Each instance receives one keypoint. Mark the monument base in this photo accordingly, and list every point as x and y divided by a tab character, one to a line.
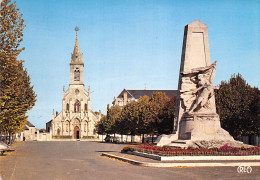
164	139
198	130
201	127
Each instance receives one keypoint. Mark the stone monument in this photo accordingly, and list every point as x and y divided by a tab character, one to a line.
196	122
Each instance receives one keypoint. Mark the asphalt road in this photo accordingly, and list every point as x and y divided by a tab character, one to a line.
82	160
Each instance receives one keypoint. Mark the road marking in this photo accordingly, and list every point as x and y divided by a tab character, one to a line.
13	170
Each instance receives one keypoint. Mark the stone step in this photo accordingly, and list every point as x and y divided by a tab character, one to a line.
179	141
181	145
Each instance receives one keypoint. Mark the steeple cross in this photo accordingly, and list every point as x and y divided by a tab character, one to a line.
76	29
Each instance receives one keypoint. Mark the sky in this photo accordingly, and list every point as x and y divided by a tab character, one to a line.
131	44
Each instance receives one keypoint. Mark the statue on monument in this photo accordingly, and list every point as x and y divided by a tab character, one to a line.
201	97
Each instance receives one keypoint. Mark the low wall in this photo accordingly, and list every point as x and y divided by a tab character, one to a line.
48	137
123	138
194	158
43	136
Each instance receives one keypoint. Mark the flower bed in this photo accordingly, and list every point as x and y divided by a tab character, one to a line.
169	151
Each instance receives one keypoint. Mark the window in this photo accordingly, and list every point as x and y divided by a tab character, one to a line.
76	74
58	131
86	107
77	107
85	125
68	107
120	103
67	126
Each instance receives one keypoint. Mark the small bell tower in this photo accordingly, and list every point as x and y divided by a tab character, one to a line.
76	64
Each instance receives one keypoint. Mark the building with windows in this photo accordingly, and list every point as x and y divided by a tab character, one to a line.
76	120
29	133
127	95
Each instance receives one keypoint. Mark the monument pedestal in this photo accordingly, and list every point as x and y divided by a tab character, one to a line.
201	126
198	130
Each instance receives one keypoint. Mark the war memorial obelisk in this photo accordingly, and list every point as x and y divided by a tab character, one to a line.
196	122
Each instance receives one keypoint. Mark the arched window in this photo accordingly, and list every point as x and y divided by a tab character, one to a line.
86	107
77	107
67	126
85	126
68	107
58	132
76	74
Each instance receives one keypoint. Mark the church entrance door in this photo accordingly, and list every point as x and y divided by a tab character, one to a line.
76	132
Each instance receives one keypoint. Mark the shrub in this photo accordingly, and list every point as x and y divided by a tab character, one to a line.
62	137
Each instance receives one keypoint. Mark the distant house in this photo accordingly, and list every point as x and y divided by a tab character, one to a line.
29	132
48	126
127	95
42	130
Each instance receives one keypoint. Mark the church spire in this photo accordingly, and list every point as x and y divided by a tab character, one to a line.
76	56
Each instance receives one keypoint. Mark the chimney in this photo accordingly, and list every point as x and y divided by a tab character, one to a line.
125	98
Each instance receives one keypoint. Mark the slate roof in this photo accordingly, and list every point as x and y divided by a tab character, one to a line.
42	130
138	93
49	121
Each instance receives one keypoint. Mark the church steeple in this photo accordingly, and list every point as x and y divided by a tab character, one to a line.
76	56
76	64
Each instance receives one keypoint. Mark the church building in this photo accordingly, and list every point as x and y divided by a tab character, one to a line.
76	120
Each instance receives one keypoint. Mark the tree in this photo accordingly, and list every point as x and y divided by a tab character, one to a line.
11	32
16	93
100	125
166	117
127	121
158	101
238	106
145	116
113	115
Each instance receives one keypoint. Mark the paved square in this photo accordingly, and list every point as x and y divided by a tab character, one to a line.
82	160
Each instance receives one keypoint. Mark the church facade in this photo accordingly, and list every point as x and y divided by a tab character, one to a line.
76	120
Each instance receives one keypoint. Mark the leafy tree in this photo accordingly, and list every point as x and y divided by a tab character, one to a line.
113	115
101	125
238	106
128	119
158	101
16	93
11	32
145	116
166	116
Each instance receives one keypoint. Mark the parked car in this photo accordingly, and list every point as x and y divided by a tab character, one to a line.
3	147
115	140
108	138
